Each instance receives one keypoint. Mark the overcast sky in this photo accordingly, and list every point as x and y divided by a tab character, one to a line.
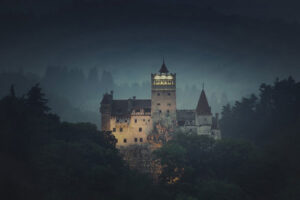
232	46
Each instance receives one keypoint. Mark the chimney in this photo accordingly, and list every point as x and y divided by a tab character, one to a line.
134	97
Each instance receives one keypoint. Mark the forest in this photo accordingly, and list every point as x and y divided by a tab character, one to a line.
75	93
43	157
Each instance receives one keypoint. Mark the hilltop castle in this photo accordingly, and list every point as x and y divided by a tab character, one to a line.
132	121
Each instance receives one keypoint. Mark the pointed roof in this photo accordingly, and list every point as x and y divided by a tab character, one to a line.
203	107
163	68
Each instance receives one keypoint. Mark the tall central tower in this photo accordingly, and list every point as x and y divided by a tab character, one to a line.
163	96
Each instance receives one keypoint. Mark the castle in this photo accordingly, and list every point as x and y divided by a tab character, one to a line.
133	120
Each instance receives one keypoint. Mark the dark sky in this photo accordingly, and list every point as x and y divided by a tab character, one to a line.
232	46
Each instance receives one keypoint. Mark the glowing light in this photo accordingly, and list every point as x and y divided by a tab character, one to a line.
157	77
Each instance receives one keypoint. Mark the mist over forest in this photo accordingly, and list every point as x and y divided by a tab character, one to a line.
59	57
203	42
75	94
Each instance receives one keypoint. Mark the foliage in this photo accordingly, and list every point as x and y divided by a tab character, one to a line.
271	121
44	158
204	168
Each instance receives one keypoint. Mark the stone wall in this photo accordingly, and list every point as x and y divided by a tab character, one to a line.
132	130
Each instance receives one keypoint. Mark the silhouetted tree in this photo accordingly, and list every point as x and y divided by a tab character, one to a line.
36	100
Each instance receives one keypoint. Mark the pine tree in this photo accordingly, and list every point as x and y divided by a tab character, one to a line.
36	100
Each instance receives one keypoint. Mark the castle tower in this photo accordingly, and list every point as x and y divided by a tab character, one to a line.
105	109
163	96
203	115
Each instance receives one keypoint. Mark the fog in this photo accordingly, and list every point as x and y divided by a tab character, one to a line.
79	50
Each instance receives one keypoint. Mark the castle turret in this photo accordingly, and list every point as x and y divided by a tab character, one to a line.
163	96
203	115
105	109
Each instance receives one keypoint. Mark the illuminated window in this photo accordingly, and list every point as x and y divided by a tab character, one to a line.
141	139
135	139
114	129
140	129
121	129
125	140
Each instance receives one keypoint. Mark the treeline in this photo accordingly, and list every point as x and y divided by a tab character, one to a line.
44	158
258	157
75	94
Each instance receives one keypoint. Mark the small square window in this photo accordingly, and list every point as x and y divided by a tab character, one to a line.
168	111
135	121
121	129
141	139
135	139
125	140
140	129
114	129
158	104
169	104
158	94
118	120
159	111
126	120
169	94
144	120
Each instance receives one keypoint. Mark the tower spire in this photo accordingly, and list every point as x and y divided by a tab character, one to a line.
202	106
163	68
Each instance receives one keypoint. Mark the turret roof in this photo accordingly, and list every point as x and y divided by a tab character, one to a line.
163	68
203	107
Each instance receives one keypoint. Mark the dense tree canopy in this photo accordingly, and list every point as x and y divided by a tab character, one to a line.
44	158
256	159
